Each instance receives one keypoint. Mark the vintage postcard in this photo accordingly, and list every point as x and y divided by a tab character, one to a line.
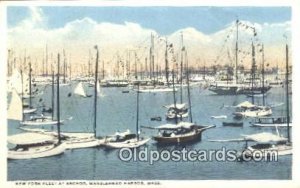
150	94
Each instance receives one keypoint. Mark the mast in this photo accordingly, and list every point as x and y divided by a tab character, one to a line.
287	91
46	59
70	66
174	97
236	51
22	95
58	105
137	110
89	63
52	96
151	59
95	93
188	88
135	65
263	75
181	67
252	73
64	67
166	63
103	75
30	90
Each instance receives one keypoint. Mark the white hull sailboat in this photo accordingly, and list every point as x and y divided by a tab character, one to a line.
156	89
127	139
34	145
247	109
72	140
266	143
132	143
40	122
257	111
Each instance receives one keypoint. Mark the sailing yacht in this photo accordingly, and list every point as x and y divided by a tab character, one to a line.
182	132
249	109
273	121
266	142
36	145
79	90
278	121
127	139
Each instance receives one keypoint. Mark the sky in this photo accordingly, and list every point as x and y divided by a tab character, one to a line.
208	32
161	19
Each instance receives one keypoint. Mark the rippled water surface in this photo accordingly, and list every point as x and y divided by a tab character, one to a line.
117	111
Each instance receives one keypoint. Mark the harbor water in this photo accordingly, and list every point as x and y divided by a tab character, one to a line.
117	112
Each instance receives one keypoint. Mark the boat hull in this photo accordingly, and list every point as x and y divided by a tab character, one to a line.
37	152
36	123
77	143
196	136
134	143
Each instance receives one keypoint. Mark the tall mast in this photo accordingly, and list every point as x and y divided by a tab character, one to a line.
30	90
135	65
95	93
174	97
287	91
181	67
137	110
151	59
236	51
52	96
188	88
103	75
263	75
22	95
166	63
58	105
252	73
70	70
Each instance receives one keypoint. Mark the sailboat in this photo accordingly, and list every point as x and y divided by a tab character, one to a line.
36	145
72	140
277	121
235	87
182	132
127	139
249	109
267	142
79	90
86	140
178	110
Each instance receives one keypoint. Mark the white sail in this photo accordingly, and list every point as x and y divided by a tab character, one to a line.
79	90
15	111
